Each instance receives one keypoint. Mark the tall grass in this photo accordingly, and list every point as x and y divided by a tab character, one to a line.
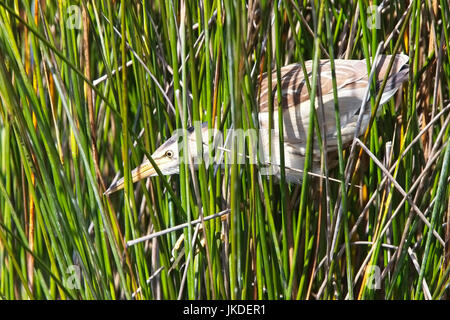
88	88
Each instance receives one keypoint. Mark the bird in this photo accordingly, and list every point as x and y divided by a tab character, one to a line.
352	83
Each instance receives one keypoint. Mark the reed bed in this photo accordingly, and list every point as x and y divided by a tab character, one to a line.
89	88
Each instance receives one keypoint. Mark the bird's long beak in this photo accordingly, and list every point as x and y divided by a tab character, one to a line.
141	172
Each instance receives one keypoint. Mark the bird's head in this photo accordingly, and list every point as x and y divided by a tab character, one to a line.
167	157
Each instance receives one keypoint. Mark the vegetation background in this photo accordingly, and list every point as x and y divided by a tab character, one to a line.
88	88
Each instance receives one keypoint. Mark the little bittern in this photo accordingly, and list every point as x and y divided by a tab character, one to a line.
352	83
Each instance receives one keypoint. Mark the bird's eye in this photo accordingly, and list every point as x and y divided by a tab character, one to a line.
169	154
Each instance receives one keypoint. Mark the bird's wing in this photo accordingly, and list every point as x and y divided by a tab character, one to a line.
294	90
352	81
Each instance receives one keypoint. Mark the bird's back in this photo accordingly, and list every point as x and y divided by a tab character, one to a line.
352	81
